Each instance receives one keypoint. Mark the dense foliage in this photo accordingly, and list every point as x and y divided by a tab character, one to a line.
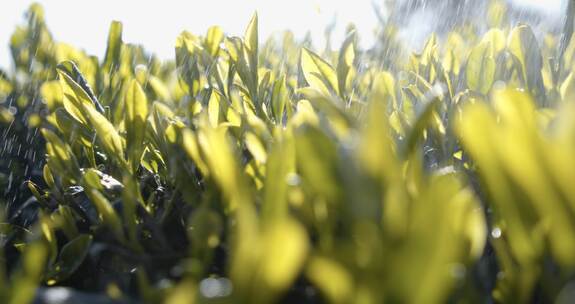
248	172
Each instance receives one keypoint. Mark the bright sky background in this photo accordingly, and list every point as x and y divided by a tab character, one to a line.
156	24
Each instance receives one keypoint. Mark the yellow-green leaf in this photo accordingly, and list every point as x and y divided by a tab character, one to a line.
136	116
109	138
318	73
480	70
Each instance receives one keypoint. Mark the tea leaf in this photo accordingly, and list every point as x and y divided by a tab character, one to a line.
112	57
136	117
318	73
70	258
285	244
523	45
109	138
480	70
106	213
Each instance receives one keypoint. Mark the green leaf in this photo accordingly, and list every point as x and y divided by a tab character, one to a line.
68	224
73	130
214	37
476	129
34	189
376	148
318	73
112	57
256	148
131	198
205	228
79	84
215	109
285	244
281	162
496	38
136	116
27	278
47	227
70	258
190	145
6	117
184	292
279	99
48	177
524	47
106	213
109	138
422	121
223	166
251	39
74	98
345	63
332	279
60	156
317	162
331	105
158	87
480	70
386	85
251	44
567	88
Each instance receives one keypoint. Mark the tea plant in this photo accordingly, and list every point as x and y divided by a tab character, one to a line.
250	172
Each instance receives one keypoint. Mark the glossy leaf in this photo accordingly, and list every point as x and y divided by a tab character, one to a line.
318	73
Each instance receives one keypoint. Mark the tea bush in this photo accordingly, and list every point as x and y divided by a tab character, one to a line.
249	172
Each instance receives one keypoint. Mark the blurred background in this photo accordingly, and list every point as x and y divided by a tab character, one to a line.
85	23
